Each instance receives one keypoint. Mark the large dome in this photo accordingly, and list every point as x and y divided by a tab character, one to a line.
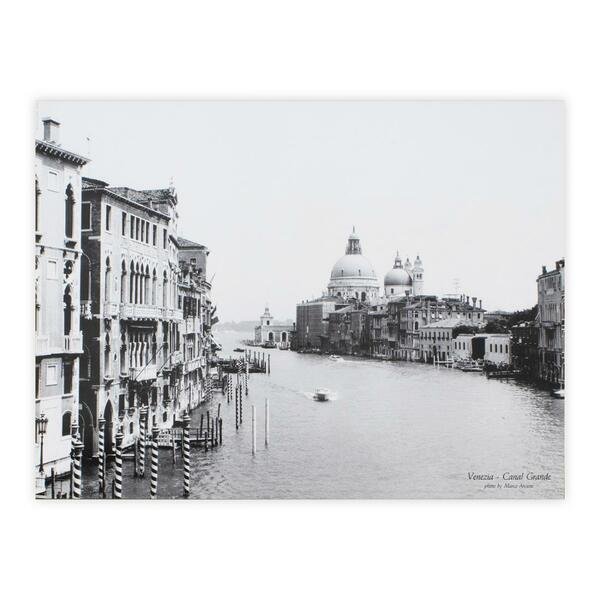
352	266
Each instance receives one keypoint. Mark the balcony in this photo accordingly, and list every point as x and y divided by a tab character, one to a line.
72	343
142	373
110	309
138	311
192	365
176	357
192	325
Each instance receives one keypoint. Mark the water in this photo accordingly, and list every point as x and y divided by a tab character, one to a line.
392	430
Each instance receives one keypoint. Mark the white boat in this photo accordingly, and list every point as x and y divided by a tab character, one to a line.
559	393
334	357
322	394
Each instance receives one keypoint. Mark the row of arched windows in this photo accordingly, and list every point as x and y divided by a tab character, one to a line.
139	285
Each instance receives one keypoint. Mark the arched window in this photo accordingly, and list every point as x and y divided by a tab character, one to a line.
165	289
123	282
106	355
37	205
107	281
131	283
69	208
147	286
66	423
154	287
363	296
137	284
123	361
67	310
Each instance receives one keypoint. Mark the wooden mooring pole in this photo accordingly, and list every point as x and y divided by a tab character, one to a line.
154	464
266	421
253	430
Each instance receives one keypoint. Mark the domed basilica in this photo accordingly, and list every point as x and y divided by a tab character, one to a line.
353	276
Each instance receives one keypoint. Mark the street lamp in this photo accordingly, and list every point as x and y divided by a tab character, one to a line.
41	423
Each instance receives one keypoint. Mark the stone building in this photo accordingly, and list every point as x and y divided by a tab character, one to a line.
436	340
312	322
132	343
197	312
551	316
347	331
524	348
271	331
58	339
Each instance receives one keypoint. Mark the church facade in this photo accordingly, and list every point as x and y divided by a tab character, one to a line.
353	276
270	331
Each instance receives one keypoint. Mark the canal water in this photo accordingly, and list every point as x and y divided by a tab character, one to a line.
391	430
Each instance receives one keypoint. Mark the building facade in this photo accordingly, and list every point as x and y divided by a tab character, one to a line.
58	339
271	331
132	343
551	320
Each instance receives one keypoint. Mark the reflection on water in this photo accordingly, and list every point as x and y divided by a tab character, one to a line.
392	430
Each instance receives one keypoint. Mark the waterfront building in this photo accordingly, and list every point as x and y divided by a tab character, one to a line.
463	346
436	339
271	331
406	316
497	348
197	311
347	331
353	276
312	321
132	343
377	330
524	348
551	315
58	340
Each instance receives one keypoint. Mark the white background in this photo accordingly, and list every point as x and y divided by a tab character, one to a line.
423	549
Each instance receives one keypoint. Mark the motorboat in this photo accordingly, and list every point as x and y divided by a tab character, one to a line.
239	350
559	393
322	394
334	357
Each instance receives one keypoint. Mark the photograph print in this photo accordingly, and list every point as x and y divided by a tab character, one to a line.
299	299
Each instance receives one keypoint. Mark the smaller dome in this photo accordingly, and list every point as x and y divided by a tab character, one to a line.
397	276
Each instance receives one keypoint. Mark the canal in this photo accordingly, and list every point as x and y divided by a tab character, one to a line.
391	430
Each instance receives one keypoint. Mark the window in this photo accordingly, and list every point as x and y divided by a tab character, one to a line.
66	424
108	217
53	180
51	375
131	226
86	216
123	223
154	235
147	232
137	229
67	377
69	211
121	403
165	239
51	269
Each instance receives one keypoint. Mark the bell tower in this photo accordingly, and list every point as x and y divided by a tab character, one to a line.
266	318
417	276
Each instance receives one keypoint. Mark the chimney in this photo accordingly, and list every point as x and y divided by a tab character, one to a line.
479	302
468	298
51	131
474	301
543	269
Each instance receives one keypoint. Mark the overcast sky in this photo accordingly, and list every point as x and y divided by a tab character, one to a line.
274	188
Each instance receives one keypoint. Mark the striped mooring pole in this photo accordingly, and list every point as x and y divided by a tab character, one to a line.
101	458
142	441
154	464
77	449
186	455
119	465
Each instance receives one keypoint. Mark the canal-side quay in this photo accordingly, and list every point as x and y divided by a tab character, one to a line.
392	429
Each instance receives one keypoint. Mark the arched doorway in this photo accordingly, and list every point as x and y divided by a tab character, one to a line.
270	336
108	428
283	337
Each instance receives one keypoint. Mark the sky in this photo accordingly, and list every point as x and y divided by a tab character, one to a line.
477	189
